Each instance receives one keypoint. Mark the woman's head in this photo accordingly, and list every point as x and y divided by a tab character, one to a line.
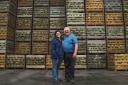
58	34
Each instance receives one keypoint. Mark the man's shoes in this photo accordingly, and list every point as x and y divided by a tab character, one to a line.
72	81
60	80
65	80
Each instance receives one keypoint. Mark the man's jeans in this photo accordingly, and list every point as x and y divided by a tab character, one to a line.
55	68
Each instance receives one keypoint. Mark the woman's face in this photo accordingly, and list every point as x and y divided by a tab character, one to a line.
58	34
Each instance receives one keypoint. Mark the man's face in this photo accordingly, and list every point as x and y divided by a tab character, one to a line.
66	31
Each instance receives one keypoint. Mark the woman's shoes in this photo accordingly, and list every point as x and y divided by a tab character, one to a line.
56	82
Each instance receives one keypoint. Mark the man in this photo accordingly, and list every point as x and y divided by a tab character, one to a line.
70	46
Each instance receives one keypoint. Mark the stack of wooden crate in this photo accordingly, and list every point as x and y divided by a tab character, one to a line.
96	43
35	61
81	62
23	27
2	61
15	61
7	28
75	11
118	62
125	6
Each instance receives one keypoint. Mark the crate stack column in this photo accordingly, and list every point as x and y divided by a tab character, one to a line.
57	22
23	27
114	28
75	15
96	42
7	27
118	60
40	31
125	10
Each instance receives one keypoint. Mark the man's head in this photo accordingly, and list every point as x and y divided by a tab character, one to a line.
67	31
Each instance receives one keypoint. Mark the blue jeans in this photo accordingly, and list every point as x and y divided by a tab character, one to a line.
55	68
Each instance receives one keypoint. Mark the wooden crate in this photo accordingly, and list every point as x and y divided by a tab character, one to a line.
25	3
126	28
95	32
57	23
127	45
118	62
4	6
96	46
94	5
3	32
3	18
2	61
40	48
2	46
41	12
41	2
24	12
57	2
115	46
125	4
74	5
80	62
126	19
75	18
23	35
40	23
7	6
57	11
22	48
35	61
15	61
115	32
114	18
79	31
24	23
96	61
95	18
40	35
82	46
115	5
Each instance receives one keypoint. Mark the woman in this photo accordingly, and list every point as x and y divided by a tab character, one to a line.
56	55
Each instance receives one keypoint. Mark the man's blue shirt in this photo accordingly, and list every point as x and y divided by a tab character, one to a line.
68	43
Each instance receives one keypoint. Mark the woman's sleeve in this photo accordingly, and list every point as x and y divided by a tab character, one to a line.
53	48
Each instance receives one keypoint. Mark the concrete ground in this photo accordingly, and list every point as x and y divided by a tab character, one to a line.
43	77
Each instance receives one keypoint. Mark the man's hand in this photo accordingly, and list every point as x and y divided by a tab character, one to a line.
74	55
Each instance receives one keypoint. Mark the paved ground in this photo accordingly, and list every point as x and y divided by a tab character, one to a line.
43	77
